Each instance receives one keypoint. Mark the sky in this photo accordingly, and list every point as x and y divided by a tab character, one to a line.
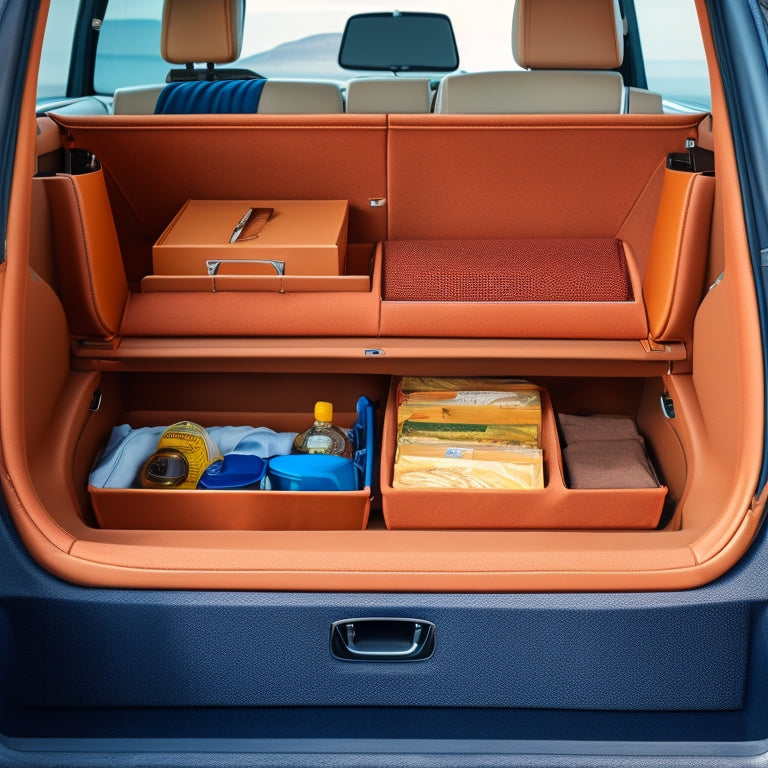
486	47
481	46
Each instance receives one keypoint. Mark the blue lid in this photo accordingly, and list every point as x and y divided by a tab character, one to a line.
312	472
235	471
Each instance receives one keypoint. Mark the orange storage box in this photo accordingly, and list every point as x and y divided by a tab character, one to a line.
307	237
554	507
178	509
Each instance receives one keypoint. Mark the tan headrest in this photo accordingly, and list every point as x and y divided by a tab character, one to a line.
209	31
568	34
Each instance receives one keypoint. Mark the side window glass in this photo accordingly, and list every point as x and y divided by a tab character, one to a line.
128	51
675	64
57	49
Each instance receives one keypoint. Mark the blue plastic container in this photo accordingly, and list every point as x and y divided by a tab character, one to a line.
312	472
235	472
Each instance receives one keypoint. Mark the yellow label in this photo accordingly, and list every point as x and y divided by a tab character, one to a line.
195	444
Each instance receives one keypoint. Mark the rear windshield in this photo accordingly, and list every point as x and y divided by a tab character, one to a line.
300	39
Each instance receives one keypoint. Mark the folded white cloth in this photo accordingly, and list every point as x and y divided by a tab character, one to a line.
128	449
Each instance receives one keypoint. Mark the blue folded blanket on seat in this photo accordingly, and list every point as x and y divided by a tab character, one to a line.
205	97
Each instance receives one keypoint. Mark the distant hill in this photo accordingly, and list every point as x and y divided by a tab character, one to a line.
313	56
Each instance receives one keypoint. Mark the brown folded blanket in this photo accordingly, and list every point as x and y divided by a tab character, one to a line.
609	464
578	428
605	452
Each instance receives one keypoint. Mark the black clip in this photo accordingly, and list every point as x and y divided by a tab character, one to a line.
695	160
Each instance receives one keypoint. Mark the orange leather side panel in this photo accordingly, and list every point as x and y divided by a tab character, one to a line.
90	268
676	264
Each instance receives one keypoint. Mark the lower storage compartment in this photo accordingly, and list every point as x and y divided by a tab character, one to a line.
553	506
277	404
284	402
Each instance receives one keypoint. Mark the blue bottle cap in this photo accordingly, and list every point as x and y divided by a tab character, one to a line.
236	471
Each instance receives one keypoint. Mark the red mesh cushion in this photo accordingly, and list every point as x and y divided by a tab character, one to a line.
506	270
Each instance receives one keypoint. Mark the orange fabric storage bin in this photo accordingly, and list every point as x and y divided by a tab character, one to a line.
198	509
553	507
567	288
195	510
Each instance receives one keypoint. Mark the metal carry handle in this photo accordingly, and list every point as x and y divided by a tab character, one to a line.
213	264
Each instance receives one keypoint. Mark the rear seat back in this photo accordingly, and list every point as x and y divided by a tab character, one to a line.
568	51
211	31
278	97
389	95
309	97
527	92
136	100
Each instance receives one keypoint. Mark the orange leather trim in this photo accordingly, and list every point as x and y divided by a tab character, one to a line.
672	287
42	256
233	312
385	355
91	275
141	509
45	539
728	357
637	227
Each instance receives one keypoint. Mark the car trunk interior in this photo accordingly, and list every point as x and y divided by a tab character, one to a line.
109	343
191	607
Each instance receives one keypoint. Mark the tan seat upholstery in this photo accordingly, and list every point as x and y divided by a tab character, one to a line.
642	102
211	31
308	97
136	100
389	95
567	51
544	92
279	97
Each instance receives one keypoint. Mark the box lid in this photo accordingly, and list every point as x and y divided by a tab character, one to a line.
293	222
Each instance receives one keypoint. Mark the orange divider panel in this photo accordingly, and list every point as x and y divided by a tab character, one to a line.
459	176
155	163
673	283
